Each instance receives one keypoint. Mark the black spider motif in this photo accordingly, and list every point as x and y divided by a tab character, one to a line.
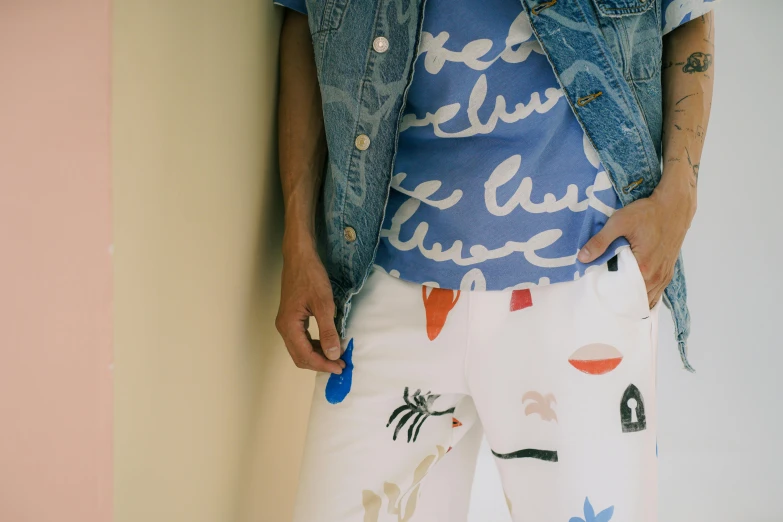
419	407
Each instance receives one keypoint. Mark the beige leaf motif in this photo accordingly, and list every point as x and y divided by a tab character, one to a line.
372	503
541	404
392	492
372	506
423	468
410	507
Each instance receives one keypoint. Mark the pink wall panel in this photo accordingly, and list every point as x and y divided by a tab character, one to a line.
55	261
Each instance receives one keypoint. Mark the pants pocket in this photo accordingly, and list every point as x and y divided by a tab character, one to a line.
620	286
636	275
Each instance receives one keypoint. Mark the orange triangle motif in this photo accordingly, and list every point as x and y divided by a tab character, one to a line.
437	306
455	423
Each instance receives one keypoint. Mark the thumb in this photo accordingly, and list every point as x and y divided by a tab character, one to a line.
598	244
330	341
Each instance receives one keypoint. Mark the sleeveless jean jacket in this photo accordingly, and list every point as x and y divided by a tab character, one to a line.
606	55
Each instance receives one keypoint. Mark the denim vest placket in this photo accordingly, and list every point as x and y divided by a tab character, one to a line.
615	95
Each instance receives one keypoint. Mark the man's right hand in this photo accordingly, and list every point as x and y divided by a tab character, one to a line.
306	292
302	151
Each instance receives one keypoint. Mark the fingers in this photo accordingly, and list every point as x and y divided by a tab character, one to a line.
653	297
598	244
317	347
304	354
329	340
656	284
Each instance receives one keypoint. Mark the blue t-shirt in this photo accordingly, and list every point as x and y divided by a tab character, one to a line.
495	184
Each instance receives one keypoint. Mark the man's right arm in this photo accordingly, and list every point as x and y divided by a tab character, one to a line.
306	290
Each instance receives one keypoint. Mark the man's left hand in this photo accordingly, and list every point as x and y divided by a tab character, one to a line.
655	227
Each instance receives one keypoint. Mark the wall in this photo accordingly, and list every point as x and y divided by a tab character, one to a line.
55	262
720	449
203	384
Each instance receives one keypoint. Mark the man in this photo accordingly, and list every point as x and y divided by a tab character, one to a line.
499	190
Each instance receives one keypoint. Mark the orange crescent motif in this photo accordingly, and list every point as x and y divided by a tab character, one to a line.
437	307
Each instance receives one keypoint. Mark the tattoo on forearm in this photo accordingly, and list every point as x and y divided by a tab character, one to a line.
694	167
697	62
686	97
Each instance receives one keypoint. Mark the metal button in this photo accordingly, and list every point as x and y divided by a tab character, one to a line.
380	44
349	234
362	142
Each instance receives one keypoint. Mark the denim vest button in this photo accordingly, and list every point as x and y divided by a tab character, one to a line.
380	44
349	234
362	142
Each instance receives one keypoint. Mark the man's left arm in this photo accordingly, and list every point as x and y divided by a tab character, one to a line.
656	226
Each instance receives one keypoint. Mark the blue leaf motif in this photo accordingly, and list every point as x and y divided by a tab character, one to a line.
605	515
589	511
590	516
338	386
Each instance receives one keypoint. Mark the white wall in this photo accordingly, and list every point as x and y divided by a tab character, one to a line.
721	430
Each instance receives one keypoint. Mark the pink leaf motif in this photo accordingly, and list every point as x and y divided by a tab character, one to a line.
540	404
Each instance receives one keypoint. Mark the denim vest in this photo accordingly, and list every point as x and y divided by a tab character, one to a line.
606	55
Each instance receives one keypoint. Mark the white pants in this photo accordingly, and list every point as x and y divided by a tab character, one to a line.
560	379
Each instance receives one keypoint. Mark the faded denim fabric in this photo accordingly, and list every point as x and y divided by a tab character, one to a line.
606	55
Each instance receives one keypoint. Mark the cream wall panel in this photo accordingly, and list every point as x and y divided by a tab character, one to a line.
207	403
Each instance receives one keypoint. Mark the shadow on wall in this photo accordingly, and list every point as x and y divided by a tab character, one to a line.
207	401
282	393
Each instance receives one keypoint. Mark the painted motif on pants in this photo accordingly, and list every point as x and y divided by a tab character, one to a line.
398	503
437	306
338	385
419	408
557	398
590	516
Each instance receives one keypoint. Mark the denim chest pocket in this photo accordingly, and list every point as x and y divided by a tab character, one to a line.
326	15
633	31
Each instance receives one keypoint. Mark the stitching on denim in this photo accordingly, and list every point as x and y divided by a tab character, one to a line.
419	27
629	62
617	85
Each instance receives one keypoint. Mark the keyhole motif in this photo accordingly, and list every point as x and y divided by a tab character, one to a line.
632	410
632	406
